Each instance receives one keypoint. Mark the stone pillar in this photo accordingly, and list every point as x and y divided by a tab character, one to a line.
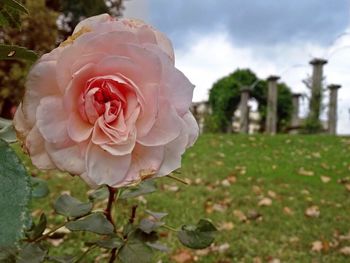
295	121
332	110
244	110
316	88
271	118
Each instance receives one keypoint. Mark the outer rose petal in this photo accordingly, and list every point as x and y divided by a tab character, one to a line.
68	159
21	123
92	21
191	128
103	168
143	158
51	108
41	82
35	145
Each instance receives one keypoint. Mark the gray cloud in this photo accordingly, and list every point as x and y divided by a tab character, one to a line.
252	22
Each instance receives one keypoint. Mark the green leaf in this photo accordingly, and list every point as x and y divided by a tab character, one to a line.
149	226
110	243
145	187
40	227
135	251
61	259
100	194
198	236
157	215
7	132
40	188
71	207
8	52
158	246
96	223
15	5
8	255
14	196
32	253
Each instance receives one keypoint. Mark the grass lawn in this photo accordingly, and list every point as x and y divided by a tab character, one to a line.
256	189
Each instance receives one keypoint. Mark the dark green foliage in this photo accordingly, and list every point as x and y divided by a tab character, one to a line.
14	196
71	207
224	98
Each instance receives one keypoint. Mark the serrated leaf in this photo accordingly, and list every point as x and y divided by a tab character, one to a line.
71	207
9	52
100	194
32	253
135	251
15	5
197	236
157	215
40	187
14	196
96	223
149	226
145	187
7	132
110	243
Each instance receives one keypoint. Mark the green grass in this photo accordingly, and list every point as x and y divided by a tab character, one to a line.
260	164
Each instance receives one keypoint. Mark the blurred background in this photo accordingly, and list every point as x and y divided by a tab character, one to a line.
212	40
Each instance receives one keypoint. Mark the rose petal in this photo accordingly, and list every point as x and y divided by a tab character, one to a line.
78	129
192	128
52	120
165	129
35	145
69	159
104	168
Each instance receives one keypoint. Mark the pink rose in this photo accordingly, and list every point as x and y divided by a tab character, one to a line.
108	105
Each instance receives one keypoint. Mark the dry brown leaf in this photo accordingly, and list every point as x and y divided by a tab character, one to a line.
288	211
312	211
304	172
325	179
345	251
347	187
265	202
317	246
183	256
226	226
272	194
254	215
171	188
257	260
240	215
232	179
305	192
274	260
256	189
225	183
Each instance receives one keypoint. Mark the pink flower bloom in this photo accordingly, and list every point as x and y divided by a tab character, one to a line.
108	105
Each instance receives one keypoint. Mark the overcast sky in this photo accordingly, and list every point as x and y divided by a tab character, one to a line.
212	38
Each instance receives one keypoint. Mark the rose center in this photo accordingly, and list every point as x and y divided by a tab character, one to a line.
104	97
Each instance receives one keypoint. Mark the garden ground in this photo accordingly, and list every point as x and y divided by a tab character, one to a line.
275	199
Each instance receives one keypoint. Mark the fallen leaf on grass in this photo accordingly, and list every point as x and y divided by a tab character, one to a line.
317	246
183	256
256	189
265	202
257	260
347	187
304	172
226	226
312	211
254	215
240	215
345	251
274	260
272	194
325	179
288	211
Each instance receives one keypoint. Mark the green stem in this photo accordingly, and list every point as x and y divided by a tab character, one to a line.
170	228
177	179
49	233
85	253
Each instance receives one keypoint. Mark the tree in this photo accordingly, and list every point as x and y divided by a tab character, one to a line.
39	33
224	98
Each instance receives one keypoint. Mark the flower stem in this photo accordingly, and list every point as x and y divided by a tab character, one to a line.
170	228
108	213
84	254
49	233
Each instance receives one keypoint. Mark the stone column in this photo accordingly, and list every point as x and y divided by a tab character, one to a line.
332	110
244	110
271	118
316	88
295	121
